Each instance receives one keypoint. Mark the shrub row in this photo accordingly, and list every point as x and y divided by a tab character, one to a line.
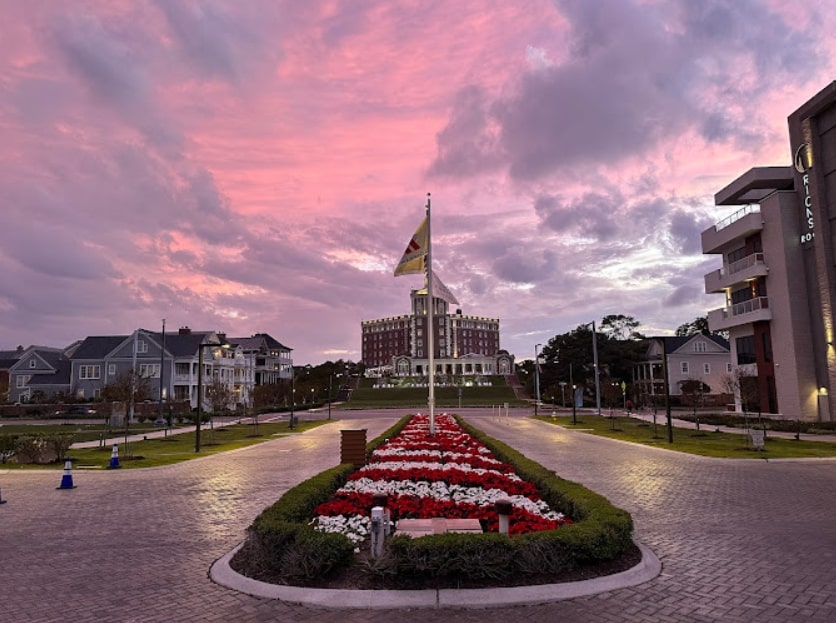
280	542
37	449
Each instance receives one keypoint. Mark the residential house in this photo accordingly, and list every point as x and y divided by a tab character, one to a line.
269	359
39	372
699	357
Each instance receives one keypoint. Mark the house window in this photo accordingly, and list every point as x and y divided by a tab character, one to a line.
149	370
706	368
683	367
111	369
33	363
699	347
728	367
142	346
90	372
22	380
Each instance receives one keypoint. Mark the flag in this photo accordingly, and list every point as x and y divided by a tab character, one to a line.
412	261
440	290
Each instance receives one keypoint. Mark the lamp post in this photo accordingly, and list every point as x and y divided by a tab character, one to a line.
595	364
574	393
292	396
536	378
199	395
160	421
330	391
563	393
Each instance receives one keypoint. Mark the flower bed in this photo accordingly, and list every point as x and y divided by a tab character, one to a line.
310	536
450	474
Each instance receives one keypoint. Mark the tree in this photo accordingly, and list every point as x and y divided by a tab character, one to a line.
697	325
620	327
696	390
219	395
129	387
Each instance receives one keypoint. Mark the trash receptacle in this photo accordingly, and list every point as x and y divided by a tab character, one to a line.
353	446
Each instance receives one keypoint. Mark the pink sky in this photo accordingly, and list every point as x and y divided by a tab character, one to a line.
259	166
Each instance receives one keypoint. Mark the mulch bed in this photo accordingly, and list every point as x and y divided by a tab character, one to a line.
359	575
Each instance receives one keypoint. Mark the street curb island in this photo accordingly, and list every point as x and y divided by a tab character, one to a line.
221	573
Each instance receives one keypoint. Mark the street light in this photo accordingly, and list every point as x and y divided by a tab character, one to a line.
536	378
200	390
330	390
292	396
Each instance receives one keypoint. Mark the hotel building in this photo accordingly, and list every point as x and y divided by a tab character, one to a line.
463	345
778	272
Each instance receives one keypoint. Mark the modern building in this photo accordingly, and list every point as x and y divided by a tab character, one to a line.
702	358
463	345
778	274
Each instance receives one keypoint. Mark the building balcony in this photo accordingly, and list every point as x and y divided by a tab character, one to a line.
736	227
753	310
746	269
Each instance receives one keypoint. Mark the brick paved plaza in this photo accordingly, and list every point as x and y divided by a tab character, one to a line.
738	540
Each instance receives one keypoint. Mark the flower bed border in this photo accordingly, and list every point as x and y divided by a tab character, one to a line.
281	544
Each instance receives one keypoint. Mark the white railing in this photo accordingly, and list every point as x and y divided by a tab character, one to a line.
747	209
743	264
746	307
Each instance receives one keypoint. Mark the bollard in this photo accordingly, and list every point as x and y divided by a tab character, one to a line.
377	532
2	501
382	500
503	509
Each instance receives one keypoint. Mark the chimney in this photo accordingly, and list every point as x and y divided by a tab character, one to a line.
222	338
185	331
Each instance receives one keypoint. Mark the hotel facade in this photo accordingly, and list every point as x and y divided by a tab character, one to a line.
778	274
463	345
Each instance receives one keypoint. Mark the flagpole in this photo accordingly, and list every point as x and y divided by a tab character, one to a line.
430	321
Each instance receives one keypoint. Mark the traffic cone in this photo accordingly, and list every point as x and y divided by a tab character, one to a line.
67	478
114	458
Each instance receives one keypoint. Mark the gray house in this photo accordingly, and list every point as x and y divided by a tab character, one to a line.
39	372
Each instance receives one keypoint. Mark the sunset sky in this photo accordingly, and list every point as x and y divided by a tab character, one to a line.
260	165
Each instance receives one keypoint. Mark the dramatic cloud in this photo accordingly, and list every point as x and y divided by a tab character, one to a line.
260	165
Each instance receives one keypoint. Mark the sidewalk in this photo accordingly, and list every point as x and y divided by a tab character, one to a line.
661	420
166	432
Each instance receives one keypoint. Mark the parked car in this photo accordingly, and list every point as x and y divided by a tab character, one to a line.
77	410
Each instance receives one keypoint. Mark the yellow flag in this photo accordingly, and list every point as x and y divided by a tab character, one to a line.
412	261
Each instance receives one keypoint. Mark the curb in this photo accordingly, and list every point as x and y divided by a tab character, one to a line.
221	573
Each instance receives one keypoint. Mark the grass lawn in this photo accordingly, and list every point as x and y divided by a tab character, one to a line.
80	432
705	442
175	448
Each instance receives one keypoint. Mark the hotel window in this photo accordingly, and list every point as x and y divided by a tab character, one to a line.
745	347
683	367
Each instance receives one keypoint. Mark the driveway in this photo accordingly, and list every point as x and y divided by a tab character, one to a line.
738	540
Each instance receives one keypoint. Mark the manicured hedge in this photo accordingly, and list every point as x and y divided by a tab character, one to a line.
282	544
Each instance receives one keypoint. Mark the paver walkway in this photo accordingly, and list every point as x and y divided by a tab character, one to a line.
739	540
